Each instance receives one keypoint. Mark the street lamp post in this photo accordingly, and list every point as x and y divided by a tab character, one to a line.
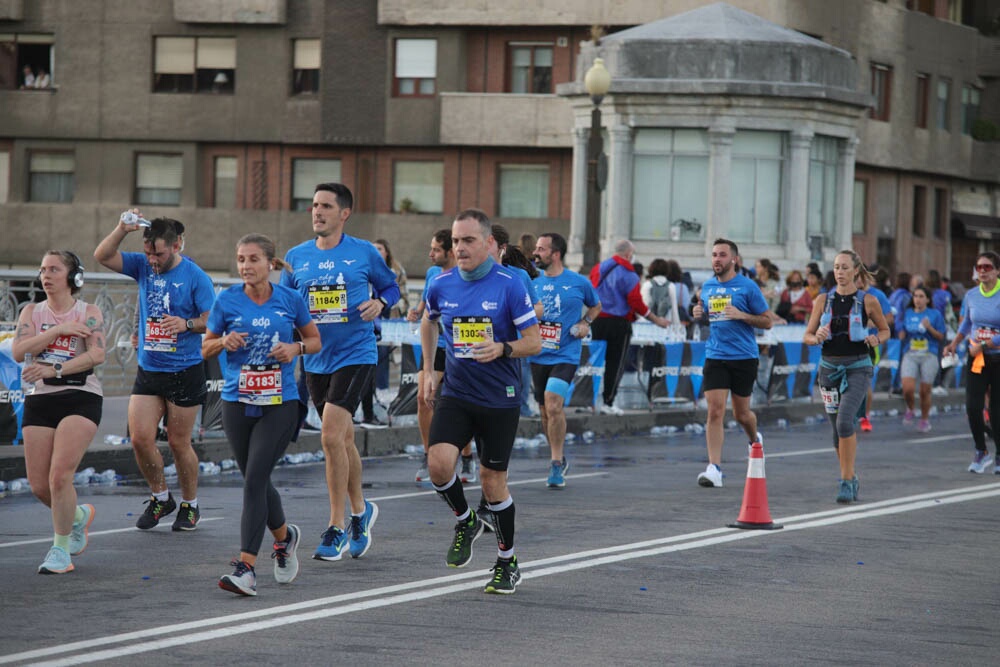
597	81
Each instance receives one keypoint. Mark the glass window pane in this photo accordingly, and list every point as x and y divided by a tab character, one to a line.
741	204
52	162
4	176
521	57
306	174
768	205
159	171
407	86
158	196
225	182
306	54
860	195
416	58
689	196
691	141
421	184
814	204
174	55
543	57
653	141
753	142
524	191
650	197
51	187
427	86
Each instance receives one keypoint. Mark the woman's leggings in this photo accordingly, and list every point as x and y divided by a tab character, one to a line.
858	381
976	385
258	443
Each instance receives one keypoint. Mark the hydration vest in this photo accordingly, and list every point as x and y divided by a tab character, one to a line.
856	329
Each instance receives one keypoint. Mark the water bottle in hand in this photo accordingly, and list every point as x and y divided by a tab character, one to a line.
27	388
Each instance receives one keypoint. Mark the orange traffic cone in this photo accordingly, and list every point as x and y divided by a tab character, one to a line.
755	514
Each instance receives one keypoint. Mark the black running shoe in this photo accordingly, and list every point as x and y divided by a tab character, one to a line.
466	533
155	510
506	574
187	518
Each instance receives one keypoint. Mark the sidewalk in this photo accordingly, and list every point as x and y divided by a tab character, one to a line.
391	441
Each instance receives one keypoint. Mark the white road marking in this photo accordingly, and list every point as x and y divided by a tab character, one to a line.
46	540
268	619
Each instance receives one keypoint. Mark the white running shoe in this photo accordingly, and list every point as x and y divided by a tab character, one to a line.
712	477
611	410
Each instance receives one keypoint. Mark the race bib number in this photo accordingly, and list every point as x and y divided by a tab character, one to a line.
61	350
327	303
984	334
260	385
156	339
717	307
918	345
466	332
551	334
831	399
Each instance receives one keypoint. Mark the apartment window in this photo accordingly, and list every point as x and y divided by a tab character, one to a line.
970	108
4	176
524	191
755	198
416	67
530	68
943	103
940	211
224	193
51	177
882	90
824	179
305	67
26	61
923	99
418	187
158	179
859	216
194	65
670	184
306	174
919	209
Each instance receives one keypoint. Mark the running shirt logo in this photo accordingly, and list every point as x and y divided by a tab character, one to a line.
61	350
260	385
328	303
469	331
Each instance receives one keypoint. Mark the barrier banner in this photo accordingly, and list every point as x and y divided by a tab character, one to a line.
794	370
211	411
405	402
673	373
11	397
585	391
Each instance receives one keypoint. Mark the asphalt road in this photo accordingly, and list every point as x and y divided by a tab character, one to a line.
630	564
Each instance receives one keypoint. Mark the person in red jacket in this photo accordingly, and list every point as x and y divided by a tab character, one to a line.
618	287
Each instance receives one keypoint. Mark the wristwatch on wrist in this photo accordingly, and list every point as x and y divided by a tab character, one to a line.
508	351
385	302
302	348
57	367
588	319
190	325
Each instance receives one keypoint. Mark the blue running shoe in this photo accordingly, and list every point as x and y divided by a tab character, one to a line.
361	530
81	529
556	479
57	561
565	466
332	544
856	487
845	493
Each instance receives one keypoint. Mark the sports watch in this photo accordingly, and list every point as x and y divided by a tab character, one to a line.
190	325
57	367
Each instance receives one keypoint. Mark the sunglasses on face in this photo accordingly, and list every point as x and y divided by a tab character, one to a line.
984	267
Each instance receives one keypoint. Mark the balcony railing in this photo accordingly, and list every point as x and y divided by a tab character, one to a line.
502	119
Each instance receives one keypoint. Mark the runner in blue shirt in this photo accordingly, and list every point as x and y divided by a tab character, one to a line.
175	296
735	307
565	295
335	273
255	323
482	307
921	329
876	351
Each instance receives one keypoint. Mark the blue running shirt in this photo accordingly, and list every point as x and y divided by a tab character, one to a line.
917	340
494	308
251	374
731	339
183	291
563	298
334	283
432	273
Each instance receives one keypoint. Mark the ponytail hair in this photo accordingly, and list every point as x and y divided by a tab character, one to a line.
867	278
267	245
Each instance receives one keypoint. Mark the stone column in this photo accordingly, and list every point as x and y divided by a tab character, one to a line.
619	188
720	163
845	194
797	216
578	204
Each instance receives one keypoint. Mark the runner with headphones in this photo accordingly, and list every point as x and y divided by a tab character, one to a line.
63	399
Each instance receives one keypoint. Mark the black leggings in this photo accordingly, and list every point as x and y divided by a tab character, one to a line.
616	332
258	443
975	397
